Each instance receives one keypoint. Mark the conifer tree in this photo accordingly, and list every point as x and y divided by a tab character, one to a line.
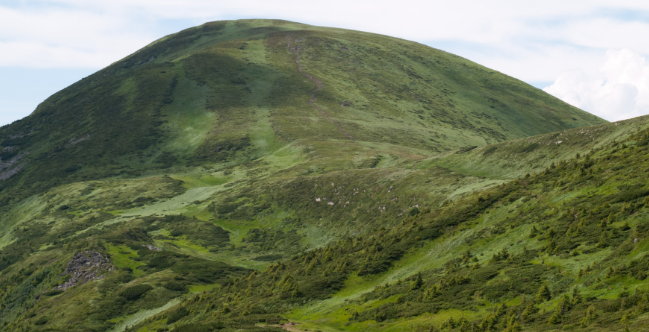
551	234
418	282
555	318
543	294
530	309
603	241
576	296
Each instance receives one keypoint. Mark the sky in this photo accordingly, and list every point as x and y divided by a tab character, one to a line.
591	54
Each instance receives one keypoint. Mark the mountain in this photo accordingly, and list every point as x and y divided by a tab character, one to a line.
234	91
245	174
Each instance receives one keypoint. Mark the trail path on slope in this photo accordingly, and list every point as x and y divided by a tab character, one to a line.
295	50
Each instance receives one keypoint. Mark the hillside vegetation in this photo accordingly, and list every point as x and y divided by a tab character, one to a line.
230	92
242	175
562	249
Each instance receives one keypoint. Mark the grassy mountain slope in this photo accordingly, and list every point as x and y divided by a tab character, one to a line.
230	92
513	159
118	216
563	249
244	172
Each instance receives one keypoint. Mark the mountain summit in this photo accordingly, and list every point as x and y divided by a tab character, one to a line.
233	91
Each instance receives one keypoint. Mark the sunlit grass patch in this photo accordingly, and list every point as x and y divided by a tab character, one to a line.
124	257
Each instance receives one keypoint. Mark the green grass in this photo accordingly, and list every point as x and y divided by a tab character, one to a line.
122	257
143	315
201	288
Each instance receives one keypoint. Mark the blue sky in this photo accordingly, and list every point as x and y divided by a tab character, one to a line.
589	53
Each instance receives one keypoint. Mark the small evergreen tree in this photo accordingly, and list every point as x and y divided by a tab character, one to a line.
576	296
603	241
543	294
625	318
555	318
418	282
551	234
530	309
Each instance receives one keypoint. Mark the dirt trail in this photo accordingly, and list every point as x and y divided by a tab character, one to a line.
295	49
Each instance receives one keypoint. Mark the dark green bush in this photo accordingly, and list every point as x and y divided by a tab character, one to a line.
268	258
199	327
124	277
177	315
135	292
175	286
53	292
630	195
41	321
226	208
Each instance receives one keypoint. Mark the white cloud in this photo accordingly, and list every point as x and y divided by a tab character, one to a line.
532	41
65	38
619	91
34	54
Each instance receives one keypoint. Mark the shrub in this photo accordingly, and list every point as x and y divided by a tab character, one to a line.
177	315
268	258
543	294
199	327
226	208
124	277
41	321
175	286
53	292
135	292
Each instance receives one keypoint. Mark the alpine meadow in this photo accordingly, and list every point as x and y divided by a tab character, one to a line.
266	175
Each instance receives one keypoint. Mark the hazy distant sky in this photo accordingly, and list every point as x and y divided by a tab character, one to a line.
588	53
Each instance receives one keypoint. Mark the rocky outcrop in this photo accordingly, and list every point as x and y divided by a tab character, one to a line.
75	141
6	170
86	266
150	247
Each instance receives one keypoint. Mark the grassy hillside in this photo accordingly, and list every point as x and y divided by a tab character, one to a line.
563	249
230	92
513	159
241	174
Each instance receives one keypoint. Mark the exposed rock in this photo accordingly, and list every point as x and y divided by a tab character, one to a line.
12	161
5	167
74	140
9	173
86	266
152	247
